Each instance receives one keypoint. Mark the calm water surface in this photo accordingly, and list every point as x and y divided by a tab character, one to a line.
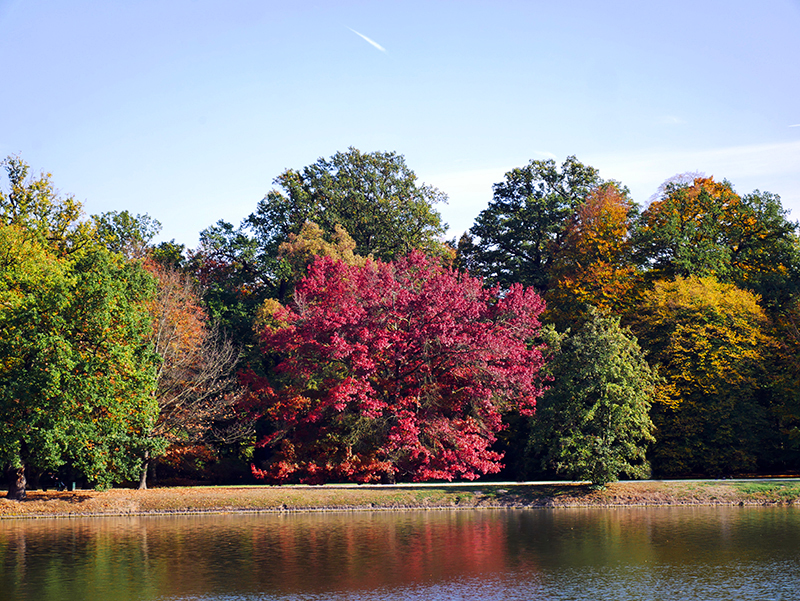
677	553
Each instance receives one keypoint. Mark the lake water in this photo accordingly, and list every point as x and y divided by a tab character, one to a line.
670	554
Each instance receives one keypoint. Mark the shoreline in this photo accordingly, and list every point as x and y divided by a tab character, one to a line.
202	500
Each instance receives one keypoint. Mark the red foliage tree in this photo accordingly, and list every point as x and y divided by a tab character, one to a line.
394	371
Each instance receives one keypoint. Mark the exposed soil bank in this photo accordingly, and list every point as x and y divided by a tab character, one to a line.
224	499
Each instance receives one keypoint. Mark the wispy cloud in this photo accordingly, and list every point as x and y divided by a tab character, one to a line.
670	120
795	125
373	42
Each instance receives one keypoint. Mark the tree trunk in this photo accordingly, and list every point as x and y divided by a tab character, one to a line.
16	482
145	467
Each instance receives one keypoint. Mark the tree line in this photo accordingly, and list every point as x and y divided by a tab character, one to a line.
335	335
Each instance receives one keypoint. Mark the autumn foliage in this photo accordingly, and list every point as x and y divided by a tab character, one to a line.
704	228
595	267
308	342
195	380
709	340
394	371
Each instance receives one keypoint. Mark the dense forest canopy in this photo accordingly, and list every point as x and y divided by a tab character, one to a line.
335	335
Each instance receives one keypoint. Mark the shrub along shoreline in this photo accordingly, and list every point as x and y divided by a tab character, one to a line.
276	499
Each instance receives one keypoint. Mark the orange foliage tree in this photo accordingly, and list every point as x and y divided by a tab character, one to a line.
195	381
595	266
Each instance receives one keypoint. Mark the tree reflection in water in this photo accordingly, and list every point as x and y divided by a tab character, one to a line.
736	553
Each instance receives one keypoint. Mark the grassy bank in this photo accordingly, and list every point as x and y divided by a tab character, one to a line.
348	498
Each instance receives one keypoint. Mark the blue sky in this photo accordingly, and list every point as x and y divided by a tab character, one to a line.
188	109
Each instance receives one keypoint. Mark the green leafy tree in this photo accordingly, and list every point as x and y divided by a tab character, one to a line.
374	196
124	233
521	232
594	421
170	254
77	371
709	340
235	275
33	204
784	373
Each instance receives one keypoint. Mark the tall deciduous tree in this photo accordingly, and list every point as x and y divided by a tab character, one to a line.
523	229
394	371
33	204
709	340
77	371
374	196
195	383
235	275
595	267
704	228
594	422
784	374
124	233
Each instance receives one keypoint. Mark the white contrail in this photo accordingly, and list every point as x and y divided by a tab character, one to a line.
374	43
795	125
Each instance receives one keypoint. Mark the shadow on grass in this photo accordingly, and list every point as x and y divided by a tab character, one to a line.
48	497
529	494
544	494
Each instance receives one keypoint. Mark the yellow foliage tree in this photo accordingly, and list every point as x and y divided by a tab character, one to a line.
297	254
302	248
33	204
710	342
